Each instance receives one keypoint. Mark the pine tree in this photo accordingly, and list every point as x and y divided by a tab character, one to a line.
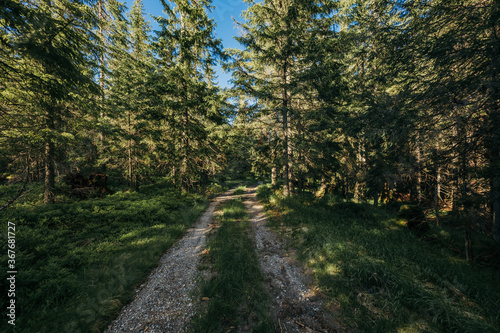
286	66
129	67
53	54
461	45
187	50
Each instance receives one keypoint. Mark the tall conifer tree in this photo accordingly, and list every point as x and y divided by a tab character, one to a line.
187	50
53	53
282	67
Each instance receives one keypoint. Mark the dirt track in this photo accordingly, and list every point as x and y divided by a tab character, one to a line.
295	306
164	304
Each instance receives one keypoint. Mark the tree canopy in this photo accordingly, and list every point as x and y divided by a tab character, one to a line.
372	100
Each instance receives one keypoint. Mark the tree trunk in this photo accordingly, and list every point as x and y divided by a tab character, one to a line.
286	151
469	255
495	196
48	195
273	175
419	173
101	35
494	96
184	179
361	166
49	161
129	148
184	165
291	185
456	175
102	64
375	198
437	194
322	189
495	175
345	187
356	191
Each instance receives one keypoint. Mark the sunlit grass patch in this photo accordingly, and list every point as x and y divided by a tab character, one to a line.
240	190
384	277
236	297
79	262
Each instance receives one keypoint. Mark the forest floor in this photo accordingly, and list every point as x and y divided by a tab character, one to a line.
166	302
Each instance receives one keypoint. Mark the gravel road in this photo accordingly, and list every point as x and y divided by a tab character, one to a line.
164	304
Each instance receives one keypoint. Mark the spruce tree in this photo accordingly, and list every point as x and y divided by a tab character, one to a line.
51	54
284	68
186	51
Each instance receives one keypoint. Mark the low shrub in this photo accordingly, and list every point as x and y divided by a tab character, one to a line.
213	190
414	216
240	190
264	192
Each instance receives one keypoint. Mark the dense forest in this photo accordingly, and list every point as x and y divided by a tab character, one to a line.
381	102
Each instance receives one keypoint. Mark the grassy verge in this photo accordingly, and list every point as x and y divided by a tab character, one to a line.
79	262
383	277
236	297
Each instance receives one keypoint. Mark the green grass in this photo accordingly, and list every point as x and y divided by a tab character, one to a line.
79	262
240	190
235	290
383	277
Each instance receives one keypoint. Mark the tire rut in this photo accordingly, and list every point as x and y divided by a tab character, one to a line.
295	306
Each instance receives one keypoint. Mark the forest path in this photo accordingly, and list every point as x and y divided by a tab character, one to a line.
163	303
295	306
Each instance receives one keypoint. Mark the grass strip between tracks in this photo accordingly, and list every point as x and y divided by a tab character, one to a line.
234	295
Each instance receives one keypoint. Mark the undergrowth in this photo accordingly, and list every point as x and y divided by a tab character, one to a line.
79	262
233	297
381	276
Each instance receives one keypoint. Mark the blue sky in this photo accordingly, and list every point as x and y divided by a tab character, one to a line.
223	14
